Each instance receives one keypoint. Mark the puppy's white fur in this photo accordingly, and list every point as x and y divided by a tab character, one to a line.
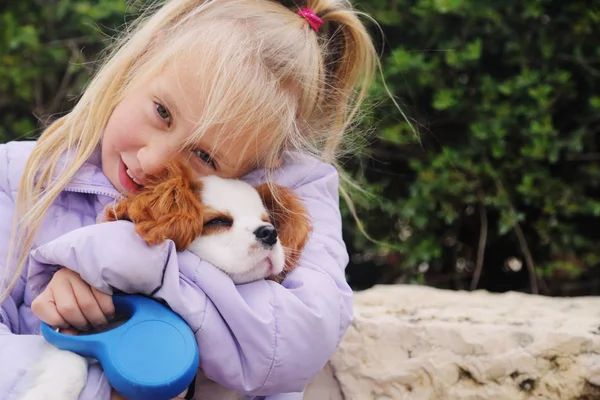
61	375
236	250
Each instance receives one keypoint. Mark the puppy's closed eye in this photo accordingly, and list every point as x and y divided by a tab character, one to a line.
219	221
216	222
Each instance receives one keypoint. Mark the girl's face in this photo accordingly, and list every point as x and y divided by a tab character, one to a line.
146	127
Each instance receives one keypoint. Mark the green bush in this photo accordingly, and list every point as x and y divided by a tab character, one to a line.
47	50
504	96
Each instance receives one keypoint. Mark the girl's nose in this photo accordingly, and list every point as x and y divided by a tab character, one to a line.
153	160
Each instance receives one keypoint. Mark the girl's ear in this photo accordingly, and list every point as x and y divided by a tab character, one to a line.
291	220
168	207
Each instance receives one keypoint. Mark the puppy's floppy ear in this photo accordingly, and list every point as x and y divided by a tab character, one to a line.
168	207
291	219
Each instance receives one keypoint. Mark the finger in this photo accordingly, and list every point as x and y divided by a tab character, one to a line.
105	302
88	304
44	307
69	331
68	308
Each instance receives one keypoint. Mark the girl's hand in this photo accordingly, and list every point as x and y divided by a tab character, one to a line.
69	302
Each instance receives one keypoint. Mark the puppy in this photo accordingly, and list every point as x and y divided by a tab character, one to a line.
248	232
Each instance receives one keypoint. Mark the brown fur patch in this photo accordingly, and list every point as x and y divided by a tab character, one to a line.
291	220
168	207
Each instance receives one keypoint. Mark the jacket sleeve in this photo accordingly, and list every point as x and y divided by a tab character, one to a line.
259	338
19	352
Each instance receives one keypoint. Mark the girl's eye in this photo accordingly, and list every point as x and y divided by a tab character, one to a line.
163	112
205	158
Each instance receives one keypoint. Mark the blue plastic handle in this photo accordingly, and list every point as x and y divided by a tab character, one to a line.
153	355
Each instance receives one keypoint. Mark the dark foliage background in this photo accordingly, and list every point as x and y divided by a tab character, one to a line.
500	190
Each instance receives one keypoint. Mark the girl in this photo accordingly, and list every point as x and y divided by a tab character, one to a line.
238	88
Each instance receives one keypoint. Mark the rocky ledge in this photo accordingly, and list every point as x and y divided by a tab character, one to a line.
414	342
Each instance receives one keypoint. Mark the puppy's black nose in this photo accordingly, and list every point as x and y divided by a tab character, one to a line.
266	234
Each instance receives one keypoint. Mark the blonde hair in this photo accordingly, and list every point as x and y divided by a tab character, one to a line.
262	65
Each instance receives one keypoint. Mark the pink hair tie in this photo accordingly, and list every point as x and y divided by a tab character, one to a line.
313	20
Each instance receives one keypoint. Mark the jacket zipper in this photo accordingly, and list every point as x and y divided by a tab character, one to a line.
114	194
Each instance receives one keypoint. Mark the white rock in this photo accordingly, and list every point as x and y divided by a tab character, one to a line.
414	342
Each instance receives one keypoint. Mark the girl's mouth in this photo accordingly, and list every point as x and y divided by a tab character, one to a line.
128	183
132	177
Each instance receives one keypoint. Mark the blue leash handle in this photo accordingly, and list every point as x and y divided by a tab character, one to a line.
153	355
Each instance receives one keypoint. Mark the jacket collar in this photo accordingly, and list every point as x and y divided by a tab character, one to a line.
90	178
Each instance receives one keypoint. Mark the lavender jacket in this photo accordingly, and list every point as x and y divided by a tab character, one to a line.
259	339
